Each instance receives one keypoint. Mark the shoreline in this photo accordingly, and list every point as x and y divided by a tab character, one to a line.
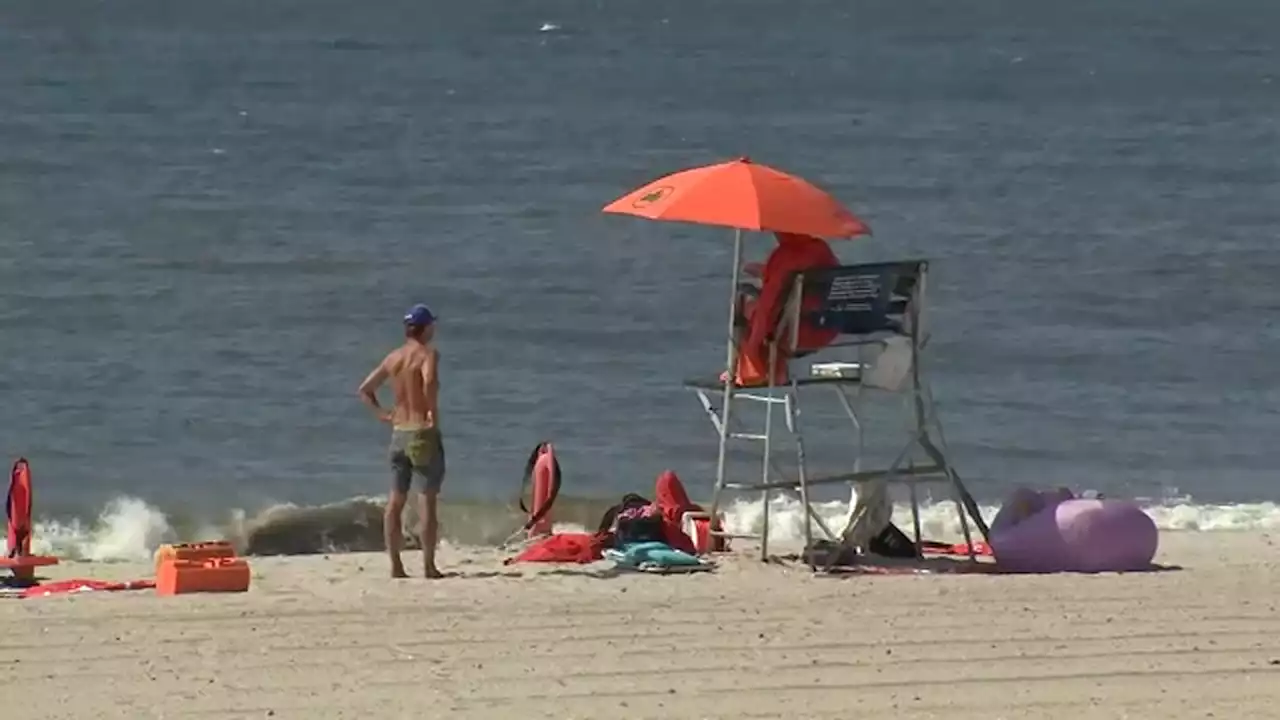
131	529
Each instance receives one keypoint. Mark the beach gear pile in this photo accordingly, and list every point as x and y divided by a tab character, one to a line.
637	534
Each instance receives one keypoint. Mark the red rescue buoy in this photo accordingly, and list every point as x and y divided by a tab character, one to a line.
18	509
544	471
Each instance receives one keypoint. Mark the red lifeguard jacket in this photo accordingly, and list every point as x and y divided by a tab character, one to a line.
793	254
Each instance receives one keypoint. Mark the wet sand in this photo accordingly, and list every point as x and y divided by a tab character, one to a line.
333	637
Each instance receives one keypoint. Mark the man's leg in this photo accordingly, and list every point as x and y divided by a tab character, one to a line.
392	523
429	531
428	513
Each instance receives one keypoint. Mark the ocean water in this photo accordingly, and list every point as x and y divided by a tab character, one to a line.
213	215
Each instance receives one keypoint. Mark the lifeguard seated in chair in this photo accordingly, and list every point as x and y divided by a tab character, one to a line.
759	310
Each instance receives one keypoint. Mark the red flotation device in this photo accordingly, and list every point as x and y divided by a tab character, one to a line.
18	509
543	471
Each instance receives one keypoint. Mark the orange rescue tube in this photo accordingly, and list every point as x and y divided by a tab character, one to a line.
19	512
543	471
18	509
544	475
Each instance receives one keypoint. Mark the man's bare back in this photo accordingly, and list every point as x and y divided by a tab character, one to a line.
411	371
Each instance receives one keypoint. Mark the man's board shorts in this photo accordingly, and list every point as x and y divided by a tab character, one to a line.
417	452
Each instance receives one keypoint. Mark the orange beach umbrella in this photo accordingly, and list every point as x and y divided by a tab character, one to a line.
743	195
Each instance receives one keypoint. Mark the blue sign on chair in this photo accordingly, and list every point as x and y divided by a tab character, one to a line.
860	299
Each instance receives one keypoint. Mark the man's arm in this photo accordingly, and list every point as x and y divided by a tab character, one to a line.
431	382
369	390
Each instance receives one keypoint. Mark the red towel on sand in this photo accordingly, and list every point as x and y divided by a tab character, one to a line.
62	587
564	548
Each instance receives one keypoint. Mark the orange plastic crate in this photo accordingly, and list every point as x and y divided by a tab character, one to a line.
179	577
194	551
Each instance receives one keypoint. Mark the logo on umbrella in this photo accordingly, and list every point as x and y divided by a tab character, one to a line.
652	196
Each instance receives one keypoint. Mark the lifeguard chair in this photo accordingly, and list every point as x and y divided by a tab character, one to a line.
878	313
877	309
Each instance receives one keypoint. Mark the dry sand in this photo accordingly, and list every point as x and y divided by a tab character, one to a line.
332	637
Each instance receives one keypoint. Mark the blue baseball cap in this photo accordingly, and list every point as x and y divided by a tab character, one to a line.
419	316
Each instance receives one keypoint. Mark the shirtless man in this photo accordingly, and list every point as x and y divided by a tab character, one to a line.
416	447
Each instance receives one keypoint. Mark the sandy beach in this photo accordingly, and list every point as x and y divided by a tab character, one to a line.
332	637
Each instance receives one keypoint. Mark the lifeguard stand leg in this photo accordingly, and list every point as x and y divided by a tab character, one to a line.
926	418
730	379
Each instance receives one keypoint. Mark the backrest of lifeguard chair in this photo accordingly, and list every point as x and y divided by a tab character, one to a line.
857	301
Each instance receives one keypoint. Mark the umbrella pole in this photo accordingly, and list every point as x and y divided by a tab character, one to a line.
731	360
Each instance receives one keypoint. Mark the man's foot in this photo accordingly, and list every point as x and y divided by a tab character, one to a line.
398	573
433	573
